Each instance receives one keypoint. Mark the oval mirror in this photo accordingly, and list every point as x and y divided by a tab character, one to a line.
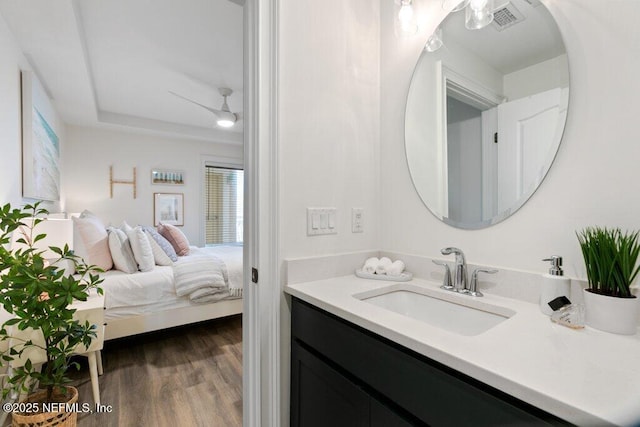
485	113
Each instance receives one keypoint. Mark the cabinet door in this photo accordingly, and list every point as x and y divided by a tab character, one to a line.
382	416
321	396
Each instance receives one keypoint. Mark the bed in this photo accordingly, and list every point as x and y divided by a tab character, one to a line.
180	294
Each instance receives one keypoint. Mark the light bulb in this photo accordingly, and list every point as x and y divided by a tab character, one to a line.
225	123
478	14
478	4
406	22
226	119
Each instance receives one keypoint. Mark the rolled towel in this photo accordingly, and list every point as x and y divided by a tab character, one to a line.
396	268
383	265
370	265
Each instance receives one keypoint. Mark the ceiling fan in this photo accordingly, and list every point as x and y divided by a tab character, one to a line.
224	117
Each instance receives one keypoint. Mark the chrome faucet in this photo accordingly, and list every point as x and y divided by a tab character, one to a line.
460	269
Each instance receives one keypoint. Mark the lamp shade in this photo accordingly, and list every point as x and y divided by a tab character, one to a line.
59	232
479	14
434	42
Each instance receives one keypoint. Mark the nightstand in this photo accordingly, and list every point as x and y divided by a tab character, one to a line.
92	310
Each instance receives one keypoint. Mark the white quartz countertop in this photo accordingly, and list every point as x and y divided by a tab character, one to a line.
585	376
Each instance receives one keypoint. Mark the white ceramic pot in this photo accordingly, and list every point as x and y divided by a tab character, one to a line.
612	314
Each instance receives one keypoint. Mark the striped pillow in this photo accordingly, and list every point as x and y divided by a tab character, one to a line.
162	242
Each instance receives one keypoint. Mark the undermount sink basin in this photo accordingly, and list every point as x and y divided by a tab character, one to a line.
452	312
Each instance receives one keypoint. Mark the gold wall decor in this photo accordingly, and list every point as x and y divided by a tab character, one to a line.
121	181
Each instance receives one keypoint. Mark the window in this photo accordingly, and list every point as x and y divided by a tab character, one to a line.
224	192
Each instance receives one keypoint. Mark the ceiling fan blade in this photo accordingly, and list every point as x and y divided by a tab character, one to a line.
238	2
213	110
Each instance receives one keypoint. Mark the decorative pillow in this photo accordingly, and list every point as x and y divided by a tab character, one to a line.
91	241
160	257
126	227
176	237
162	242
121	251
141	249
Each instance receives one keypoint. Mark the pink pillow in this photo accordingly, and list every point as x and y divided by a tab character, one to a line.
176	237
93	240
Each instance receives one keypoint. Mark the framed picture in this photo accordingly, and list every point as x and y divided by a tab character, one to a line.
40	144
168	208
167	177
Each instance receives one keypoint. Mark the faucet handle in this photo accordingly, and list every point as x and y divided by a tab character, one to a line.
473	286
446	283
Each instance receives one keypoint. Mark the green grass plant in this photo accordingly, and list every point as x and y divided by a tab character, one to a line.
611	259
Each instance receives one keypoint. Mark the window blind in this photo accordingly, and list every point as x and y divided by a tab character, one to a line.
223	205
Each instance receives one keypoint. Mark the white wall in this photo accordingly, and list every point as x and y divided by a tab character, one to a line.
328	142
10	121
328	121
594	179
537	78
90	152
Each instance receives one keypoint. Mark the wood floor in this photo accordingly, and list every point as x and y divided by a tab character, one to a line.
187	376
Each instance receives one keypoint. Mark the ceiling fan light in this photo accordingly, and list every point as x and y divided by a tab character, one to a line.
226	120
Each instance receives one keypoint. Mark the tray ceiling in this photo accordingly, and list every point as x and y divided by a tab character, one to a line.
113	63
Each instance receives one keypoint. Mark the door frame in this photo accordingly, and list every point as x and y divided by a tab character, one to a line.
261	305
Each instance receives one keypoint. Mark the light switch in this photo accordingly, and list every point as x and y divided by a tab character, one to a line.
321	221
324	220
332	220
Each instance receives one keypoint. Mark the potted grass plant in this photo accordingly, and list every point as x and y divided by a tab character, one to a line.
611	260
37	295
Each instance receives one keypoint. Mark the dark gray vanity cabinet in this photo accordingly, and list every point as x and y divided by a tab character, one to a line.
344	375
322	396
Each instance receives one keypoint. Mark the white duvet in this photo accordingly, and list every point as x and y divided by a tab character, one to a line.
158	286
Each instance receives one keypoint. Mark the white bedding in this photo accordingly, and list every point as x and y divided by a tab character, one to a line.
123	290
232	257
144	292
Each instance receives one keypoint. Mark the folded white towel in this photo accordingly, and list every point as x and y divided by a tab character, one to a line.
370	265
396	268
383	265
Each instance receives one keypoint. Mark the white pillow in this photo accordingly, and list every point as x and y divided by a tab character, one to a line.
91	241
121	252
159	255
141	249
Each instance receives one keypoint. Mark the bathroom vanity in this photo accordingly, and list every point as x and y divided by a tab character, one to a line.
344	375
355	362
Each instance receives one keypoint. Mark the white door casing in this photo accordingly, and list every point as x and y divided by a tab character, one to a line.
261	328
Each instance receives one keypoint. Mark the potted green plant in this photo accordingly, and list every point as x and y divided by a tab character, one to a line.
611	260
37	296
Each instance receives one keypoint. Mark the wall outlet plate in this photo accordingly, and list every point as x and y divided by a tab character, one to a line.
357	220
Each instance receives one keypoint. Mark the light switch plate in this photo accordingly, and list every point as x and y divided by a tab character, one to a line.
321	221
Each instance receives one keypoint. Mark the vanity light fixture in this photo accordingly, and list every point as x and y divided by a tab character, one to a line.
405	22
435	41
479	14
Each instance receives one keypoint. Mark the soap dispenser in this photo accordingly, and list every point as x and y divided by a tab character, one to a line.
554	284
